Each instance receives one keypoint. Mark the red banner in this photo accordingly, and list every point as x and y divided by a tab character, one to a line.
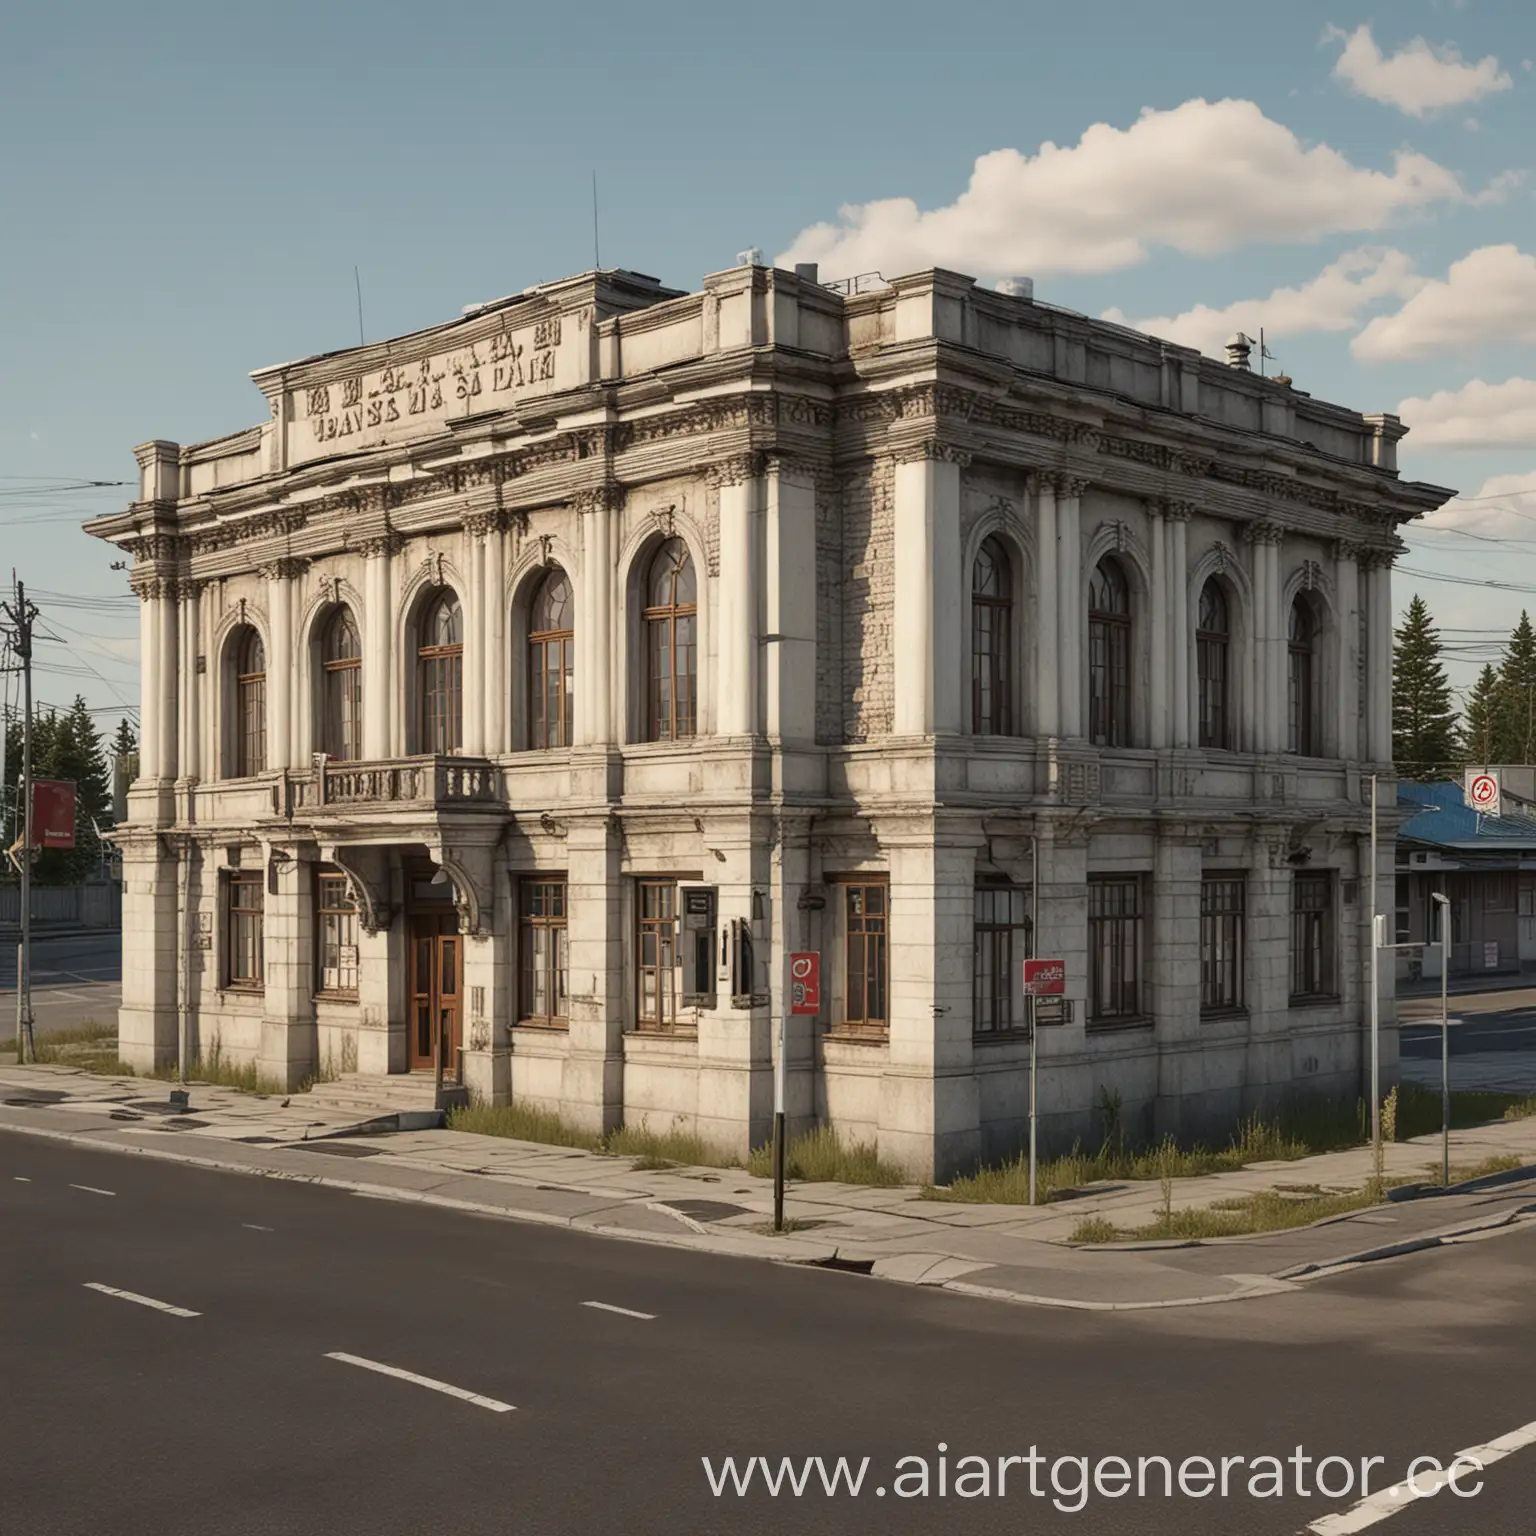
805	982
1045	978
53	813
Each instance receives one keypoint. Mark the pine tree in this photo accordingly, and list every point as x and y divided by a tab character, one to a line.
1424	726
124	743
1480	725
1515	736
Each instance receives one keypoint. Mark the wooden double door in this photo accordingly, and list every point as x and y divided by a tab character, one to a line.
435	983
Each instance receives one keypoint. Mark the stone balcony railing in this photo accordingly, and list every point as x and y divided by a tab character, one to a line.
437	782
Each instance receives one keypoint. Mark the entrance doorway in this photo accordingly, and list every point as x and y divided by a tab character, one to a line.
434	983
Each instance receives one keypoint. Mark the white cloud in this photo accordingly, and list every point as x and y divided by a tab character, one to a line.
1417	79
1477	415
1202	178
1489	295
1331	301
1502	507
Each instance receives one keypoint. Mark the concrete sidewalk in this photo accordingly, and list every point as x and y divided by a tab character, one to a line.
1011	1252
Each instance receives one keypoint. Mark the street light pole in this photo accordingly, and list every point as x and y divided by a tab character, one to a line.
1375	953
1034	1031
21	614
1443	901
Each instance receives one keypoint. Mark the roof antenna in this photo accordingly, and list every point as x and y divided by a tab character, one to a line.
358	284
597	260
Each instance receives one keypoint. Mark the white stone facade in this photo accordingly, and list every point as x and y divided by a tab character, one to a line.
830	465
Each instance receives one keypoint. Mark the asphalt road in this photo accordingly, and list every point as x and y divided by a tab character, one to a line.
1487	1021
75	977
118	1416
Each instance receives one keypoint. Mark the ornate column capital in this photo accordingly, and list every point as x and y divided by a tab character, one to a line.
734	470
607	497
932	449
284	568
1262	533
377	544
1068	484
1178	511
1347	549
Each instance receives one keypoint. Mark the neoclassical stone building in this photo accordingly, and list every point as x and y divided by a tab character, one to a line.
518	692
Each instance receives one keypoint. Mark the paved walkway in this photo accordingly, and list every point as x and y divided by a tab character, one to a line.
1012	1252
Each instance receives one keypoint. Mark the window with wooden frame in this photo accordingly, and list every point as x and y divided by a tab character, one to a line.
341	683
1313	973
250	704
244	892
1116	947
657	980
551	647
671	644
1109	655
440	675
1222	936
543	953
1301	681
335	936
1213	641
992	640
1499	891
1001	942
866	957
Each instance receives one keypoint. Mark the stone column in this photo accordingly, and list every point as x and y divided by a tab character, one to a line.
147	1020
191	632
1269	713
473	600
1177	523
592	1086
289	1049
1346	650
1378	657
1267	991
1067	1092
378	648
149	679
1159	734
167	679
1047	590
279	574
1172	973
929	638
498	737
930	1111
789	656
596	603
738	625
1069	582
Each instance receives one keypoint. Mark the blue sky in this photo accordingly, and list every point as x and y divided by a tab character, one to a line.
188	187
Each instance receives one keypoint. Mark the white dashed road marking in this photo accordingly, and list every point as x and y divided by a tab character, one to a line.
18	1178
1468	1465
250	1226
91	1189
143	1301
423	1381
603	1306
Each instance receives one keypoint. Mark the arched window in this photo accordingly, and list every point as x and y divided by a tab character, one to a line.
1109	655
1213	638
671	648
440	675
1302	681
250	704
551	639
341	688
991	641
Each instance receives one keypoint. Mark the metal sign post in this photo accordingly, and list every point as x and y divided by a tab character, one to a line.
1042	978
802	995
1443	901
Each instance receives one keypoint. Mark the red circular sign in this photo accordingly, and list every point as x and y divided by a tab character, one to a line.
1485	789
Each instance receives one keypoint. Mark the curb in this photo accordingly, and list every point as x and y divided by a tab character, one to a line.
1408	1245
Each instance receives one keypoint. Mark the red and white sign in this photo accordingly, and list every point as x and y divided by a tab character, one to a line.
1482	790
1045	978
53	813
805	982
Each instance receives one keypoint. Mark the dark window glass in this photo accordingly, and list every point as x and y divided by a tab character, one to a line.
991	641
335	935
250	705
1312	935
1302	682
440	675
1221	942
670	619
1115	921
551	645
243	894
1212	652
1002	913
544	953
866	956
342	682
1109	655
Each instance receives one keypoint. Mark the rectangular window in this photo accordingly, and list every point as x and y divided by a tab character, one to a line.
865	957
243	894
1312	936
1115	919
1404	908
1109	680
657	982
1211	665
1221	942
335	936
1002	919
1499	892
544	954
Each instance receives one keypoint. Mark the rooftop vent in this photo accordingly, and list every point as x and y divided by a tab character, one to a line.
1238	348
806	270
1017	287
751	257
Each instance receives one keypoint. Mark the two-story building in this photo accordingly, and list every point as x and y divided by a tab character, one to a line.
520	691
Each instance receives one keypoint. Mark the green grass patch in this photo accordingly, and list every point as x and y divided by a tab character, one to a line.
821	1156
91	1047
666	1148
1267	1211
523	1122
1419	1111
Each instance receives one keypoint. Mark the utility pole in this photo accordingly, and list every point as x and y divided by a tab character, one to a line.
21	613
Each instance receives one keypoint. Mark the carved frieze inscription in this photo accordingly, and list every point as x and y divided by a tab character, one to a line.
363	410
